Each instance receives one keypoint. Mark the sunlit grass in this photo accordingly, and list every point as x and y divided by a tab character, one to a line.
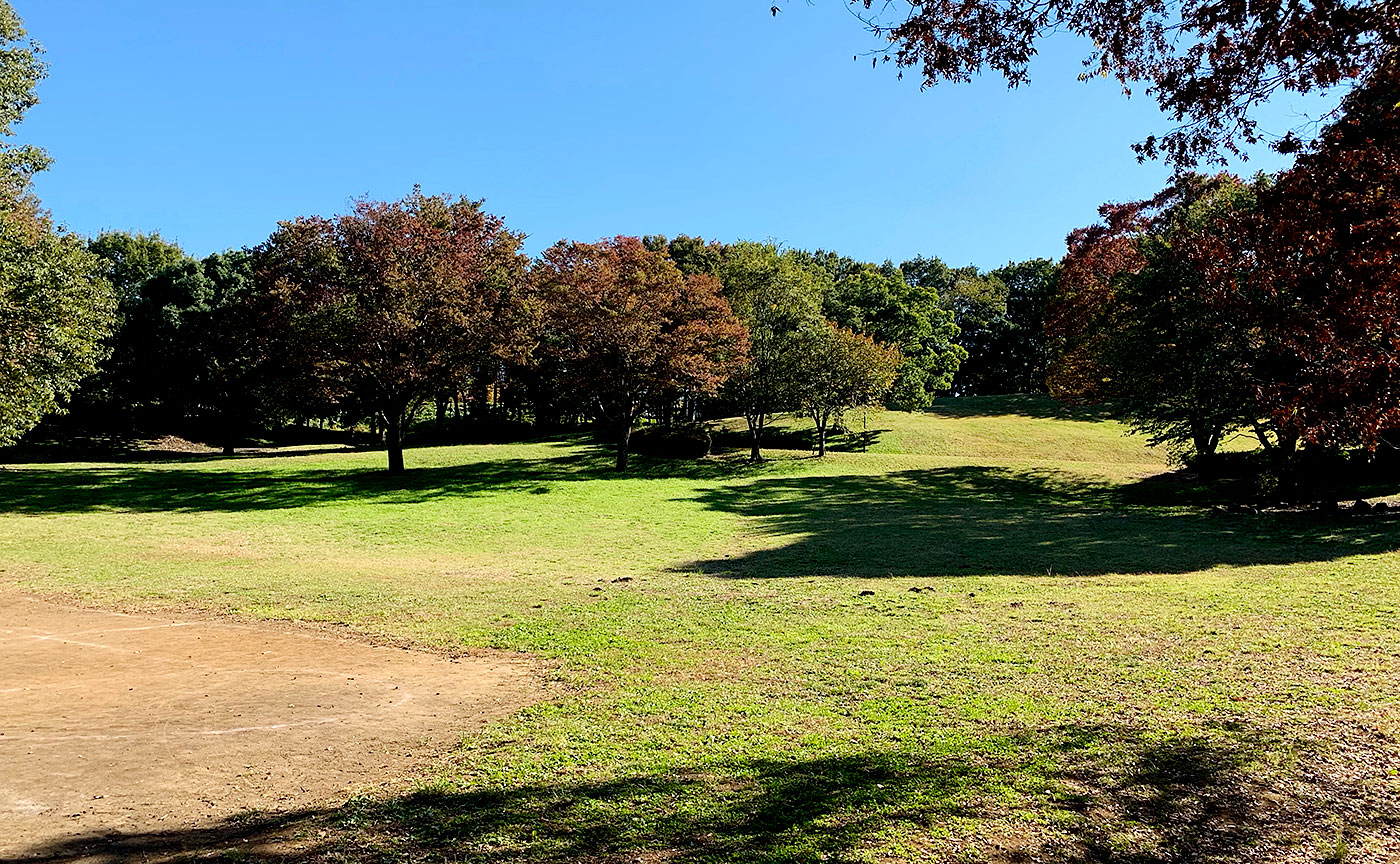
989	631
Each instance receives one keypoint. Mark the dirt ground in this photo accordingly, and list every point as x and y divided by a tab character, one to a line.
112	723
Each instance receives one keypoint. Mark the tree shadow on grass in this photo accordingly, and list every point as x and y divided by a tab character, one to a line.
972	520
1071	794
244	486
796	440
1036	405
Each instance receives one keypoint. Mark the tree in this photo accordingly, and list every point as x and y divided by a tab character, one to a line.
627	325
21	69
55	307
193	351
1314	270
977	306
1208	63
187	354
838	370
126	391
881	303
775	296
133	259
1030	287
692	255
395	301
1137	325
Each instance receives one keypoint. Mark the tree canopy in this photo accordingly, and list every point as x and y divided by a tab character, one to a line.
1209	64
775	295
55	306
395	300
629	327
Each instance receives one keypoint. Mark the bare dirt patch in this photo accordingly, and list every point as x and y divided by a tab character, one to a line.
113	722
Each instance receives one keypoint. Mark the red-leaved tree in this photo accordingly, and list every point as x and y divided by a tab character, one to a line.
1315	270
626	326
393	302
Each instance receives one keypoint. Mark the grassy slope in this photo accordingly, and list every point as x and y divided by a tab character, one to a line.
1086	671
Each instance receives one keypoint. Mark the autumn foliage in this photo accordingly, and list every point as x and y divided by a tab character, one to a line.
629	326
1208	63
1315	270
1271	307
391	302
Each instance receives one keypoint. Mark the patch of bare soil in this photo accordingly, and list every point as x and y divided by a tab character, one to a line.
113	723
175	444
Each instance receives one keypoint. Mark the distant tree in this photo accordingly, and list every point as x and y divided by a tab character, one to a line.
838	370
195	341
1208	63
183	355
1030	288
1137	323
626	325
394	301
134	258
775	296
692	255
879	301
977	306
1000	318
55	309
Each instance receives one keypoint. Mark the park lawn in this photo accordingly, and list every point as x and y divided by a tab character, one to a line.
992	631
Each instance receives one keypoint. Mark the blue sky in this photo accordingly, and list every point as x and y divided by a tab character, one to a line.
211	121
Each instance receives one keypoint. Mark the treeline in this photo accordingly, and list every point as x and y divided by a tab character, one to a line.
426	310
1268	307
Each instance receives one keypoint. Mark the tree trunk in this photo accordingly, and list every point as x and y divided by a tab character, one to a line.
624	440
755	439
1205	440
821	437
393	441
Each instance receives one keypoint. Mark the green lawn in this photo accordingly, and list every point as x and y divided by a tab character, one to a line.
986	632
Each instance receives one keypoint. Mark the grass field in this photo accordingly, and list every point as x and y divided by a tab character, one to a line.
988	632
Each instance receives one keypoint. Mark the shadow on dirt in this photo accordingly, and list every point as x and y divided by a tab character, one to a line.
1079	794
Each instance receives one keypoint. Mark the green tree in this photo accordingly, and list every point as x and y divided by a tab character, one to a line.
837	370
881	303
693	256
775	295
189	355
55	307
1000	318
134	258
21	69
1030	287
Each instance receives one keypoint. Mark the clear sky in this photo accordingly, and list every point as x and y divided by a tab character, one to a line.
210	121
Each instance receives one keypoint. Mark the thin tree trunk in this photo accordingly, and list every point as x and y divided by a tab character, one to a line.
624	441
755	438
393	441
